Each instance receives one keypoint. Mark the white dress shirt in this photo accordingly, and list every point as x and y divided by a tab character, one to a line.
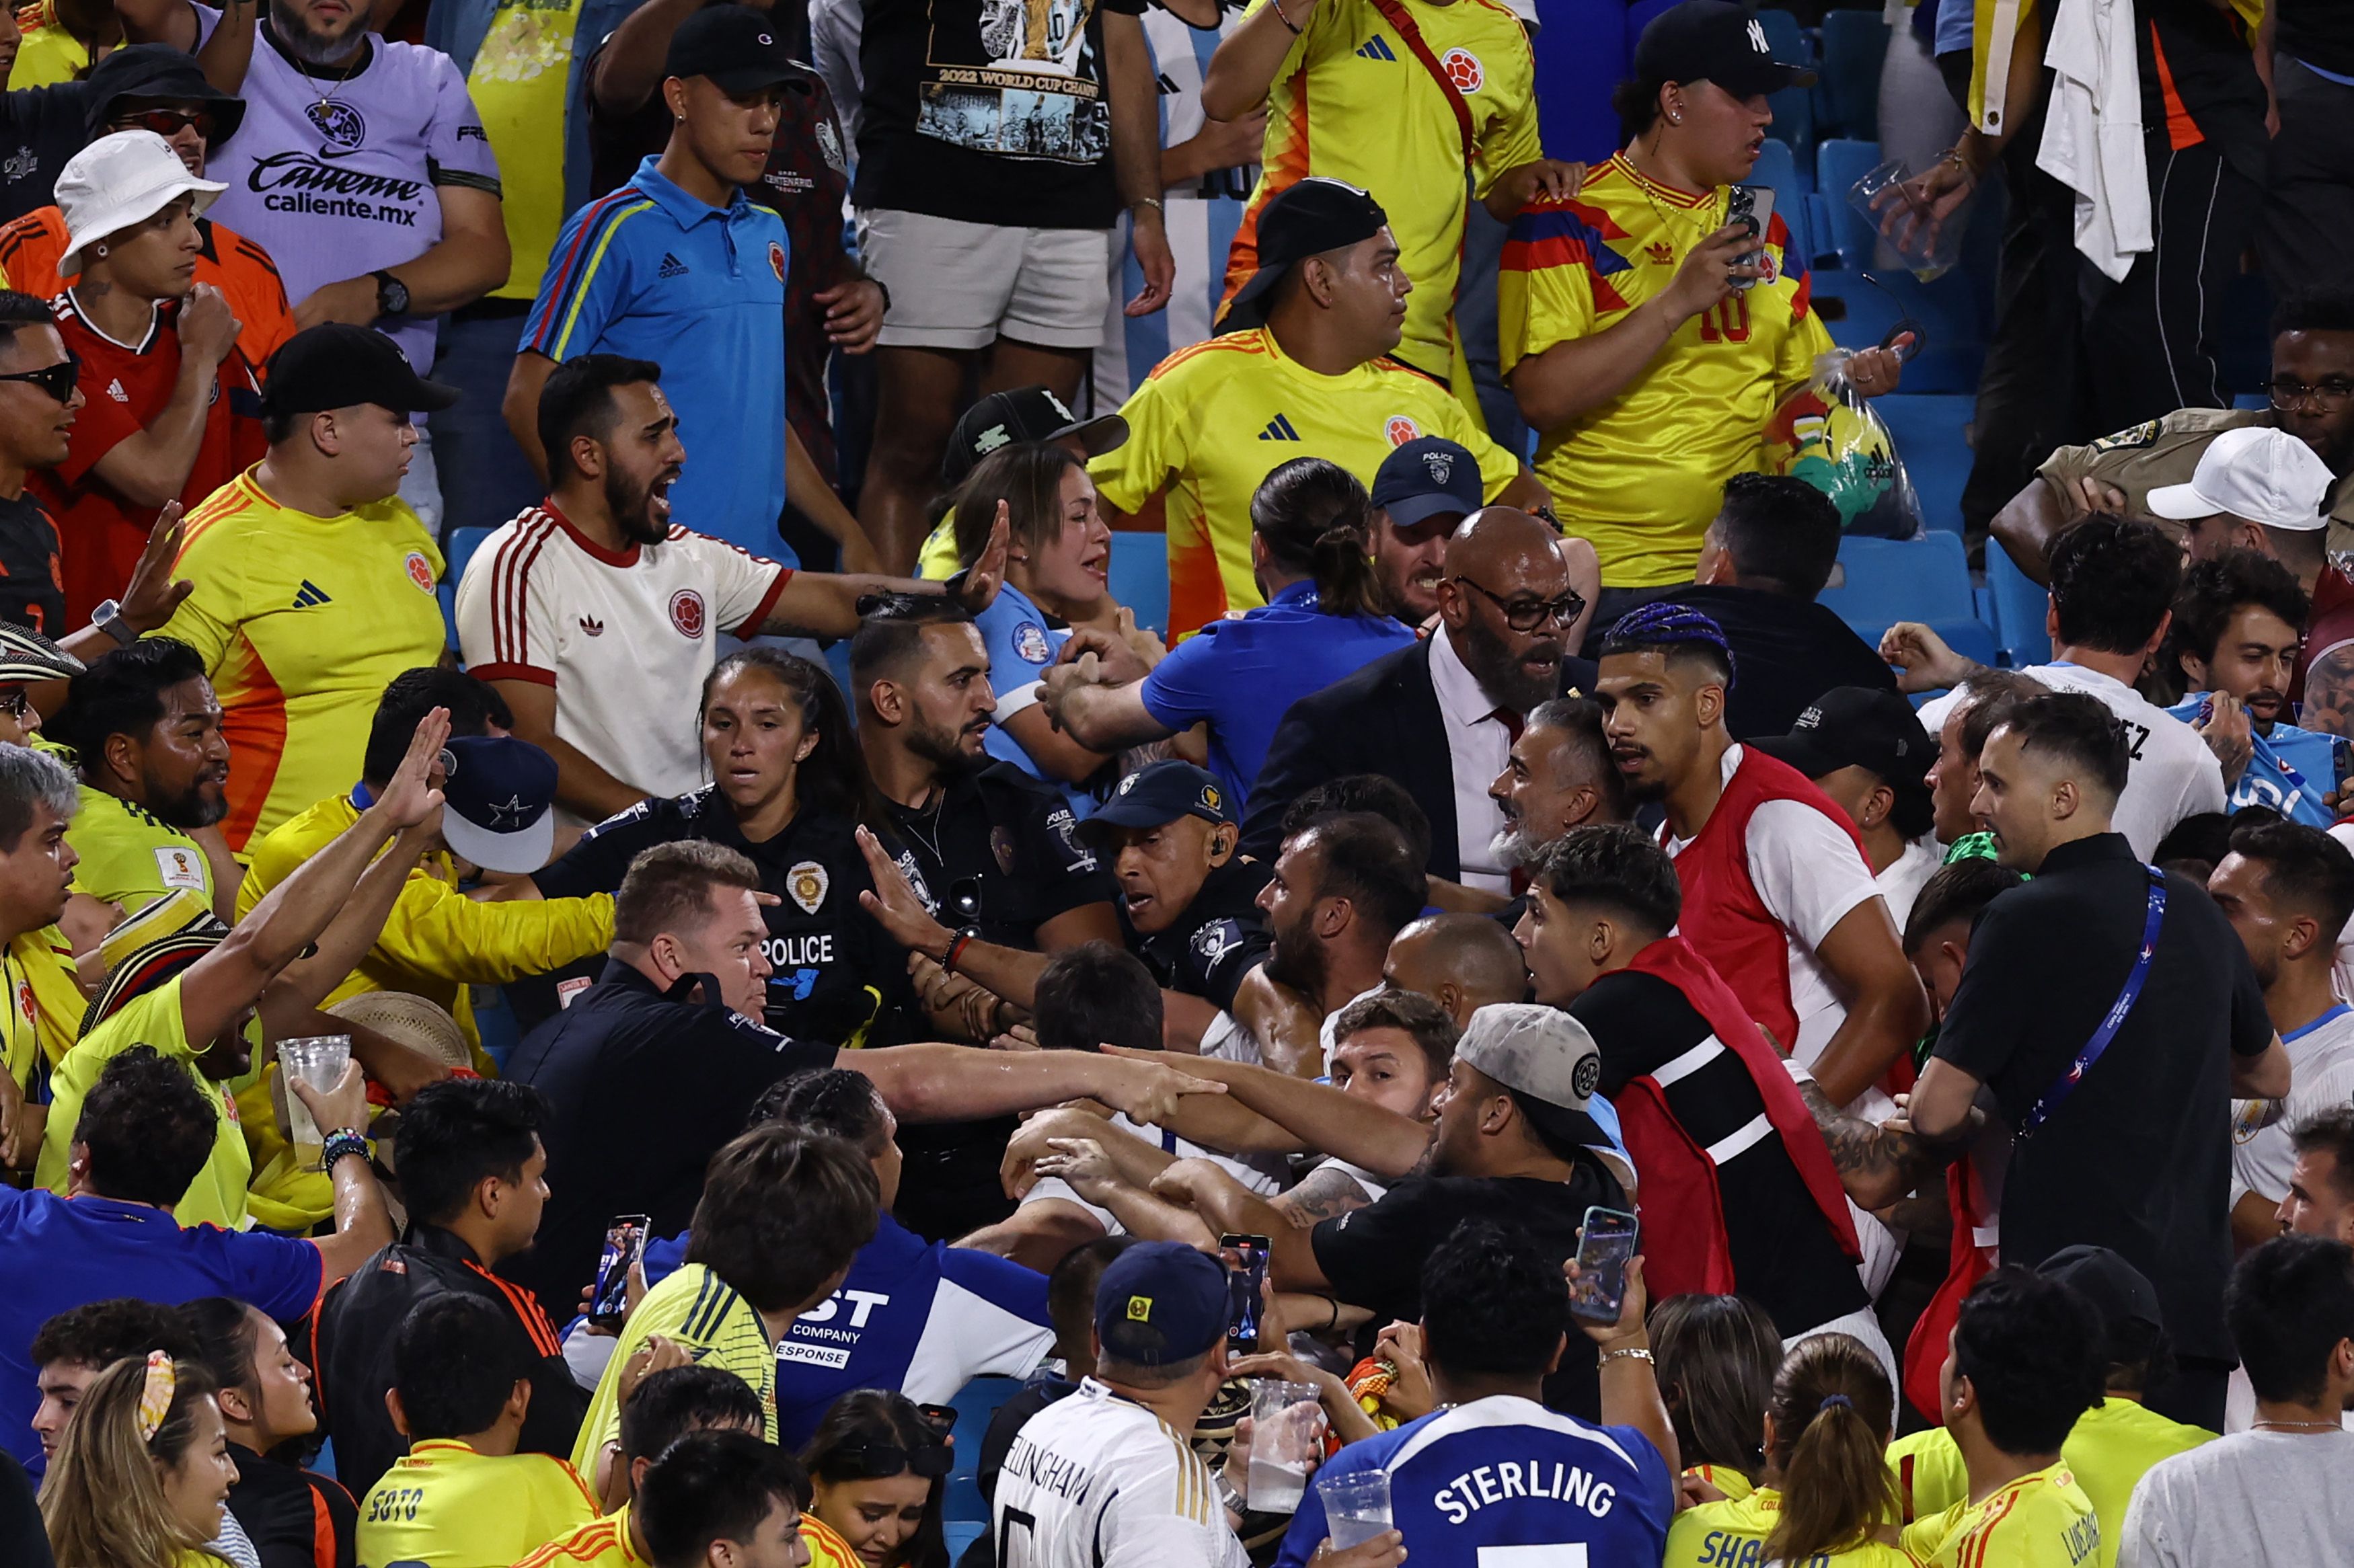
1479	745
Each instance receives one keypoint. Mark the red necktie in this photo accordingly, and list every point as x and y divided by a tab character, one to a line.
1509	719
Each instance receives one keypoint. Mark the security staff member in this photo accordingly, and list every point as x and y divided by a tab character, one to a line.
991	875
1188	906
788	787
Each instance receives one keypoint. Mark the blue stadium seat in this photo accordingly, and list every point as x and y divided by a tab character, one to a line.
464	543
1847	96
1930	429
1778	170
1948	309
1973	640
1839	162
1889	580
2021	610
975	1404
1794	107
1139	577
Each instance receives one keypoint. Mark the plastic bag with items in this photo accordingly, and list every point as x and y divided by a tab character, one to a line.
1826	434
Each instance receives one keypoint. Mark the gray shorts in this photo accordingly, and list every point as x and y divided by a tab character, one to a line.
965	285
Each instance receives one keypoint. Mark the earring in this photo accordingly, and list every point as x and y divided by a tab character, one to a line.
98	251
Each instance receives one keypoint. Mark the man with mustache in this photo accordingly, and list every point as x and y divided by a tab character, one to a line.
145	731
2238	623
596	616
1441	716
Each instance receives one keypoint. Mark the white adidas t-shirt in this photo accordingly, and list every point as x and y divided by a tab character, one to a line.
1096	1479
625	638
2173	774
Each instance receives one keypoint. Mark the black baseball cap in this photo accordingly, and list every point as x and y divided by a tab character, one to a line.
1317	215
2121	1293
157	73
741	49
1425	478
1024	414
1159	1303
1858	726
336	365
1158	794
1718	41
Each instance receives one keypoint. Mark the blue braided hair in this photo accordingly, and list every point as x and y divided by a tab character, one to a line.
1664	626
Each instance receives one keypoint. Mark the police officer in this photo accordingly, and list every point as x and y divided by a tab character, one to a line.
1188	903
787	787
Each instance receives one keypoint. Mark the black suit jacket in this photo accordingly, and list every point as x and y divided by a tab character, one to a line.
1383	719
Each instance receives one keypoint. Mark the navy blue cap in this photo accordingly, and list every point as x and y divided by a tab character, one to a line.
1160	793
1425	477
1159	1303
497	802
1715	40
739	49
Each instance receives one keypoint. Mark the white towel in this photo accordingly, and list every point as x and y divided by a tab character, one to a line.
2092	130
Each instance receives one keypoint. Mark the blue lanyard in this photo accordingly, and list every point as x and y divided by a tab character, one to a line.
2040	1111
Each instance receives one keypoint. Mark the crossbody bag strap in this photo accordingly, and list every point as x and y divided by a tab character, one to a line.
1398	16
2066	1084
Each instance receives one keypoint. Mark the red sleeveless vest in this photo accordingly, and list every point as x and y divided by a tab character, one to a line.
1724	917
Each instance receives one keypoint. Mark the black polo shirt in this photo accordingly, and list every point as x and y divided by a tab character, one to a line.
999	849
644	1087
1785	653
836	970
1785	1256
2138	1158
1220	937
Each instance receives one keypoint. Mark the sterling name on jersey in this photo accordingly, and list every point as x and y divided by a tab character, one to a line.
1096	1479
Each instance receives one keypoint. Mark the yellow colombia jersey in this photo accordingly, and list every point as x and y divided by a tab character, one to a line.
2040	1520
132	857
218	1195
1732	1534
442	1505
2108	1451
42	984
1724	1477
1642	474
50	55
437	942
827	1549
1213	419
301	622
711	1323
521	84
1351	101
599	1544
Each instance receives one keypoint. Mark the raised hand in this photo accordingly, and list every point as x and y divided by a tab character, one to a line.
410	798
151	595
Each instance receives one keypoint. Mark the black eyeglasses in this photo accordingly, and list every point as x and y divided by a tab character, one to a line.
2327	397
876	1460
1528	614
167	123
57	380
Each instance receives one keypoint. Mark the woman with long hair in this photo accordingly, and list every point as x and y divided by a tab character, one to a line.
1715	1357
1826	1497
1311	554
142	1470
788	787
295	1518
1058	559
878	1470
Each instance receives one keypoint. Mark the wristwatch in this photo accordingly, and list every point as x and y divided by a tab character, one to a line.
1231	1499
391	294
108	618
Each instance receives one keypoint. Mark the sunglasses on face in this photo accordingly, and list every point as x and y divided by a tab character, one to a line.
16	702
1528	614
57	380
167	123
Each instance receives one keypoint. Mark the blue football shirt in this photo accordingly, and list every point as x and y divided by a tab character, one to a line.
2290	770
1241	675
654	273
1503	1482
1021	640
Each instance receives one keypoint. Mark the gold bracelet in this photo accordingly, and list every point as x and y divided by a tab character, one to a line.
1631	1354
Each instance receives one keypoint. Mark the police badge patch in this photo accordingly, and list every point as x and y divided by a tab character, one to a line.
808	882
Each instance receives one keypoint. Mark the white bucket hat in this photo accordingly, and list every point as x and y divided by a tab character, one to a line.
118	180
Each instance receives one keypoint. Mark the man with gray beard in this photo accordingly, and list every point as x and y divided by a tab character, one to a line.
1559	776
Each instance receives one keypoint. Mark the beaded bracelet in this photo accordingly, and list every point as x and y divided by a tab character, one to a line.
340	1142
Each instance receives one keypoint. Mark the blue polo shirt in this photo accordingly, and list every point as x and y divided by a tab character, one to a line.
57	1253
2289	770
1243	673
654	273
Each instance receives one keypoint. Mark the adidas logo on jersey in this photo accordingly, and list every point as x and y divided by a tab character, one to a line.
115	391
1279	429
311	595
1375	48
672	266
1167	85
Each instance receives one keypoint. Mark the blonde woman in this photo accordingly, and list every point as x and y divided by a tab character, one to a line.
142	1472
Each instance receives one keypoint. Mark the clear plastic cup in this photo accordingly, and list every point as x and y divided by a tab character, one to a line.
1924	244
1285	1433
1356	1506
318	1060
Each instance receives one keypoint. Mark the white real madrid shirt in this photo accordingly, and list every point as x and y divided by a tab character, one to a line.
1096	1480
624	637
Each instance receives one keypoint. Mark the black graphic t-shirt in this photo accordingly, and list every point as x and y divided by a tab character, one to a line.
29	595
988	111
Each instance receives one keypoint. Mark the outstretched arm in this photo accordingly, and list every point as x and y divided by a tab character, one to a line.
958	1083
1317	1114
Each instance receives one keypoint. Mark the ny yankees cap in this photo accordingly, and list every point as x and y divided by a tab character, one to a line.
1158	794
739	49
2265	476
1024	414
336	366
1425	478
1159	1303
497	802
1544	1056
1859	726
1718	41
1317	215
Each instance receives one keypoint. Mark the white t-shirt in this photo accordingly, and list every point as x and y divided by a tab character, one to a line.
2173	774
2257	1497
1094	1480
2344	833
1900	885
624	639
2321	1075
1809	874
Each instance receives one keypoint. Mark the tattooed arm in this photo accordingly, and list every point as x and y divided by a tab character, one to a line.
1879	1164
1327	1191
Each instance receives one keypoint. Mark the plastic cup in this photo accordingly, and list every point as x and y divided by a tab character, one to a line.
1283	1432
1356	1506
318	1060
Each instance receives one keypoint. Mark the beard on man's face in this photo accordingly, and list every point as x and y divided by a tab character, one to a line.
629	503
944	747
192	806
1299	960
1501	671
